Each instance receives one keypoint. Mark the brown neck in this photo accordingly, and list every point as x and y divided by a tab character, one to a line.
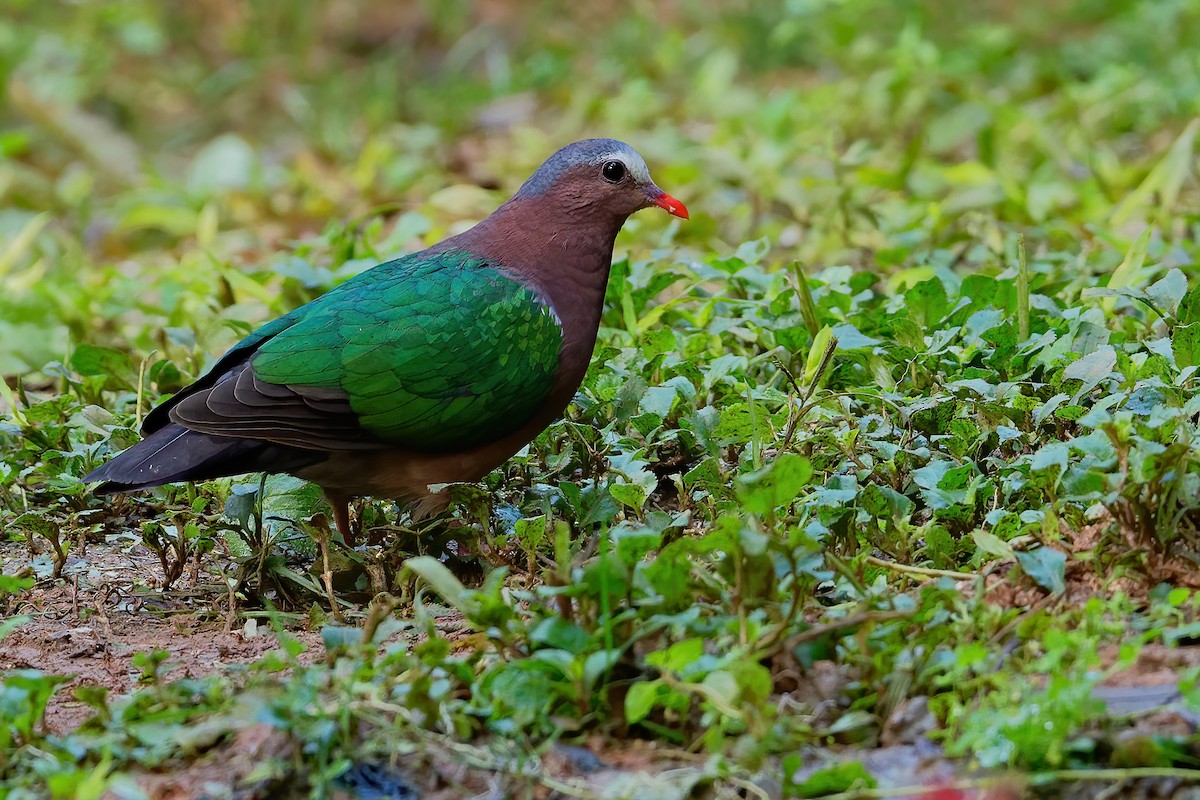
565	258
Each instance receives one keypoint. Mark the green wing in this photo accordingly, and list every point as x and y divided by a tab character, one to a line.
434	352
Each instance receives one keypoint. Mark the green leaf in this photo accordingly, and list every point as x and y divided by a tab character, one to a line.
1189	308
1185	345
1092	368
679	656
336	637
992	544
775	485
634	544
444	582
89	359
292	499
628	495
11	584
751	252
939	547
816	353
640	699
738	425
927	302
1046	566
1128	272
833	780
1168	292
558	633
532	532
240	503
598	664
657	342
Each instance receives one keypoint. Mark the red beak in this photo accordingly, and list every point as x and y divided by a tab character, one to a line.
664	201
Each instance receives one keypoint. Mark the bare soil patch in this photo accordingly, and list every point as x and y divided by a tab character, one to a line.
105	610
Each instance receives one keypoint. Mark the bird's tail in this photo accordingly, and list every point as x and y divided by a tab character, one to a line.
174	453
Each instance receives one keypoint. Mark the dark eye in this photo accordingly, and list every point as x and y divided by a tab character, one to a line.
613	171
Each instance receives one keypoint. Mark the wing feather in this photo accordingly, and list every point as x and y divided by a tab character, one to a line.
438	353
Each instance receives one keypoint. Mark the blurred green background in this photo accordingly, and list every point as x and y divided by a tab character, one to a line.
161	163
174	173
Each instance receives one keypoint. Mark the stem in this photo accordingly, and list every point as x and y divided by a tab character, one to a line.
926	571
323	538
1022	290
851	621
798	412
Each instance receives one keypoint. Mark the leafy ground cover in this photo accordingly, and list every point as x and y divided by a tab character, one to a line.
884	479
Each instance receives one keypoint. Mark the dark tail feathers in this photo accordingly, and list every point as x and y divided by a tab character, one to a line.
173	453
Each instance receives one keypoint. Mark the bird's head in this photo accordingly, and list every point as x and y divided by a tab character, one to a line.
597	177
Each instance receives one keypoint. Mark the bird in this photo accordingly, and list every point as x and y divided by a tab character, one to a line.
433	368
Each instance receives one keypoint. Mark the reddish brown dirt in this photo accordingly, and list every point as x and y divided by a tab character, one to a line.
1155	665
91	627
1084	578
98	653
224	768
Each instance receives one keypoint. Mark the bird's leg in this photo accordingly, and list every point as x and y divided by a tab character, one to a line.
340	503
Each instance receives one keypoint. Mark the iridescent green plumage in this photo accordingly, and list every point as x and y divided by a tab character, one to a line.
437	352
